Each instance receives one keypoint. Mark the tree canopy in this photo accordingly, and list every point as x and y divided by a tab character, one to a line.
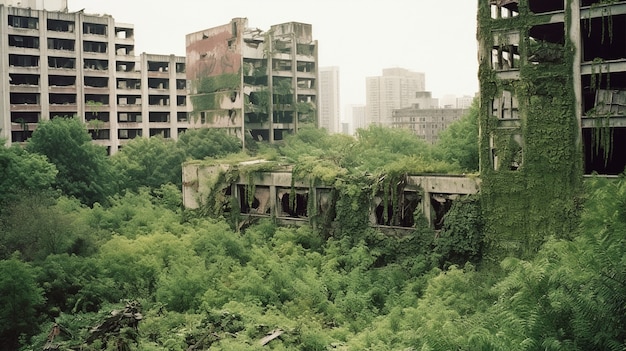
84	170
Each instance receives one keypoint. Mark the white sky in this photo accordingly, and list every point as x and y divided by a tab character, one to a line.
361	37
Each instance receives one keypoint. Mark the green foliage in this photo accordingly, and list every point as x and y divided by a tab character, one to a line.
458	144
213	84
197	144
37	225
461	238
540	196
148	162
20	298
84	170
23	172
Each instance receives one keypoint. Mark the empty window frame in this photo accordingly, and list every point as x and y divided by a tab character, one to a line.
61	81
23	41
546	43
133	84
164	132
24	117
60	26
97	99
543	6
602	38
61	62
24	98
129	133
23	22
602	147
504	8
23	60
95	46
129	117
155	66
61	44
24	79
62	99
159	117
505	106
124	33
96	65
125	66
97	82
124	50
158	83
94	28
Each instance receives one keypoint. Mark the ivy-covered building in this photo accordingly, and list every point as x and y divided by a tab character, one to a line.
253	83
553	93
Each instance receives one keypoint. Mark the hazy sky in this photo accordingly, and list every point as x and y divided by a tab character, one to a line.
361	37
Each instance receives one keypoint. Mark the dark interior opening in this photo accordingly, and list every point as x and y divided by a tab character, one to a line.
542	6
260	134
62	99
61	81
299	208
97	82
440	204
244	206
24	79
599	159
603	38
585	3
24	117
381	219
591	84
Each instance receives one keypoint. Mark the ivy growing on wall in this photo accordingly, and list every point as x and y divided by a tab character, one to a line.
524	205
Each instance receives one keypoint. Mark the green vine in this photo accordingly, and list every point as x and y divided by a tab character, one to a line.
533	192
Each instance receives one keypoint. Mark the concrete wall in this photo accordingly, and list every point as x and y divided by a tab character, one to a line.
430	194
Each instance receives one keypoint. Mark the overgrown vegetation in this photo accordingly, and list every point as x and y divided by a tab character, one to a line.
532	171
135	271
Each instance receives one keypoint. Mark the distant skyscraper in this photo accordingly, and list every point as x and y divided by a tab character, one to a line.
464	101
355	115
395	89
329	115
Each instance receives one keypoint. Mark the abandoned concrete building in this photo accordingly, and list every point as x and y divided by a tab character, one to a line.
527	40
426	122
274	194
57	63
249	82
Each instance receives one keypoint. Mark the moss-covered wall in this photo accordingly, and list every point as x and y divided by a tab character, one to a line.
522	207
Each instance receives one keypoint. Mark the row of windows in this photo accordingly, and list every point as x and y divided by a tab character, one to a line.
20	41
68	26
93	64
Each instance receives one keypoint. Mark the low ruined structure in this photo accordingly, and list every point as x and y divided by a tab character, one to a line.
274	193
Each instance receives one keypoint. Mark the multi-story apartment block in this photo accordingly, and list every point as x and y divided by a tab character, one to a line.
57	63
355	115
426	123
330	115
395	89
573	43
552	108
249	82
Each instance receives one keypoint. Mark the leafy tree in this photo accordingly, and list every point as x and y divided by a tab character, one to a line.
20	297
148	162
84	168
458	143
201	143
34	226
23	172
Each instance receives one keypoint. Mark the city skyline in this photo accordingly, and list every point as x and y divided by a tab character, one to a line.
437	38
